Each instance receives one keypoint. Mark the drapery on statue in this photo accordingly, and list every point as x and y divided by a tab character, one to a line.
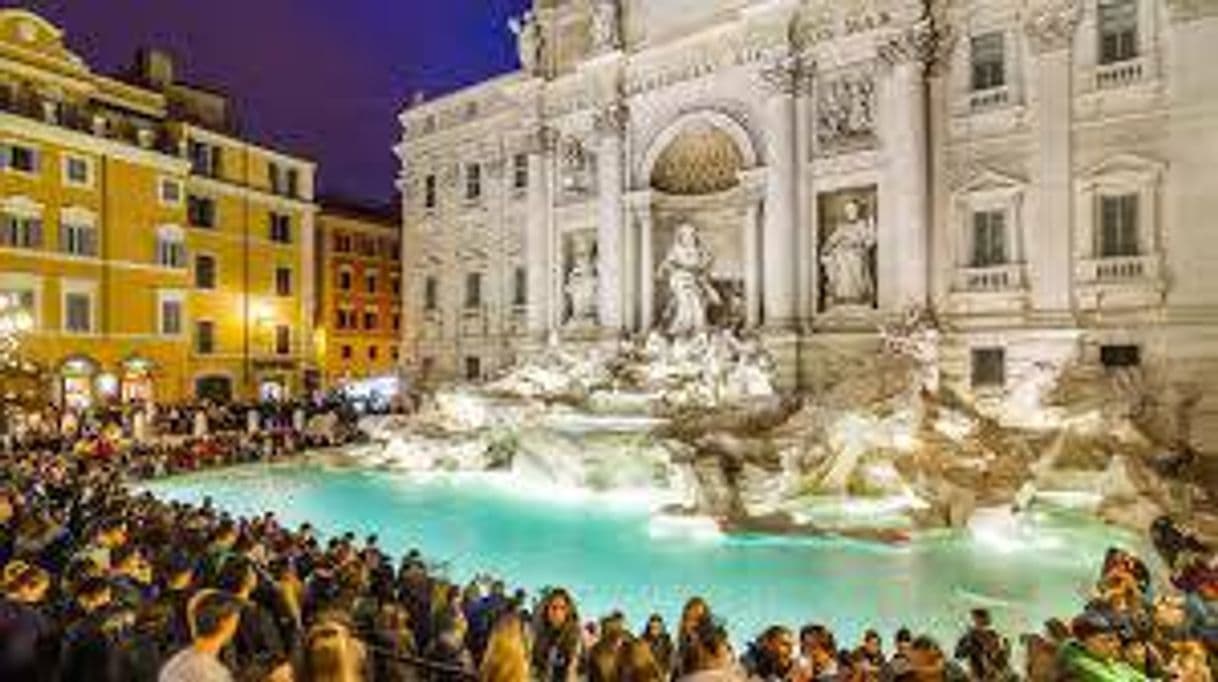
690	292
529	41
581	287
606	25
846	258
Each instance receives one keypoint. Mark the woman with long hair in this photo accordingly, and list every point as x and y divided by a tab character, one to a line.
506	658
636	662
556	638
695	612
333	654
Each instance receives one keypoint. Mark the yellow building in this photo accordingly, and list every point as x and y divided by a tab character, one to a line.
359	292
158	258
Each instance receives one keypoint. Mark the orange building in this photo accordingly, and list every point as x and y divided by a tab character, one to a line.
358	327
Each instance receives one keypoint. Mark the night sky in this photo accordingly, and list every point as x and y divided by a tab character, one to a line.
323	78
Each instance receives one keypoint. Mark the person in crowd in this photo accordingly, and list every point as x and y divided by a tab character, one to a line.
557	646
506	658
708	655
771	657
27	633
986	653
333	653
214	616
258	639
637	663
656	636
1094	652
94	646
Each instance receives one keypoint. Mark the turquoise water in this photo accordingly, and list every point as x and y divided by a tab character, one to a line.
611	556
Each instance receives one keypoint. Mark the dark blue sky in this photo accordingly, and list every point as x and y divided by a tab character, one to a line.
324	78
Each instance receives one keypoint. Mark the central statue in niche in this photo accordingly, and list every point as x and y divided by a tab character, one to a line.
691	294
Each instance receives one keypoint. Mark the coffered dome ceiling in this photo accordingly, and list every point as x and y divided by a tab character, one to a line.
702	159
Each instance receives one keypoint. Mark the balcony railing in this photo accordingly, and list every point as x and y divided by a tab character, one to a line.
993	278
1119	269
1119	74
89	120
990	98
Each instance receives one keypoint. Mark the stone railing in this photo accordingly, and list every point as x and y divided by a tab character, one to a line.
1006	277
1118	269
990	98
1120	74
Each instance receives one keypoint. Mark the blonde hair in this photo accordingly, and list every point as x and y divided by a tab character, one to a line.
506	658
333	654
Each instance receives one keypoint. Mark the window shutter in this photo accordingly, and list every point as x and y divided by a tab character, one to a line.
34	233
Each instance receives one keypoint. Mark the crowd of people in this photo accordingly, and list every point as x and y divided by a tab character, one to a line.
103	584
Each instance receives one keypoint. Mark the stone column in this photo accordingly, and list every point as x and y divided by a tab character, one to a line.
750	246
1050	30
537	241
904	205
778	237
647	270
610	174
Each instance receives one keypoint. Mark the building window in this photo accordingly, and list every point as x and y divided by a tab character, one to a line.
1120	357
283	340
1118	26
520	171
473	181
373	352
989	239
988	61
205	272
170	248
77	312
370	320
395	250
342	243
344	279
397	322
24	299
346	352
429	191
283	180
283	281
343	319
78	239
19	157
171	315
201	211
473	368
395	353
989	367
22	232
370	282
204	159
431	293
281	228
170	191
77	171
1118	233
205	337
395	284
473	290
520	286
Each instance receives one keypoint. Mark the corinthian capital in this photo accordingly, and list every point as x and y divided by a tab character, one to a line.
1051	24
789	75
923	43
613	118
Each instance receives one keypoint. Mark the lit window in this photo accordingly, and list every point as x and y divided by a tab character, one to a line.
281	228
22	232
78	239
283	281
170	248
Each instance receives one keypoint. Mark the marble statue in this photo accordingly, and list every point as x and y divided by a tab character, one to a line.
690	292
529	41
581	286
846	258
845	111
606	26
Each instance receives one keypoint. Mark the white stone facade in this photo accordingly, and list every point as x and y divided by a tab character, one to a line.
1038	173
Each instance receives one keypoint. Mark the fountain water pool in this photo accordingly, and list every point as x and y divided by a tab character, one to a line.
616	555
